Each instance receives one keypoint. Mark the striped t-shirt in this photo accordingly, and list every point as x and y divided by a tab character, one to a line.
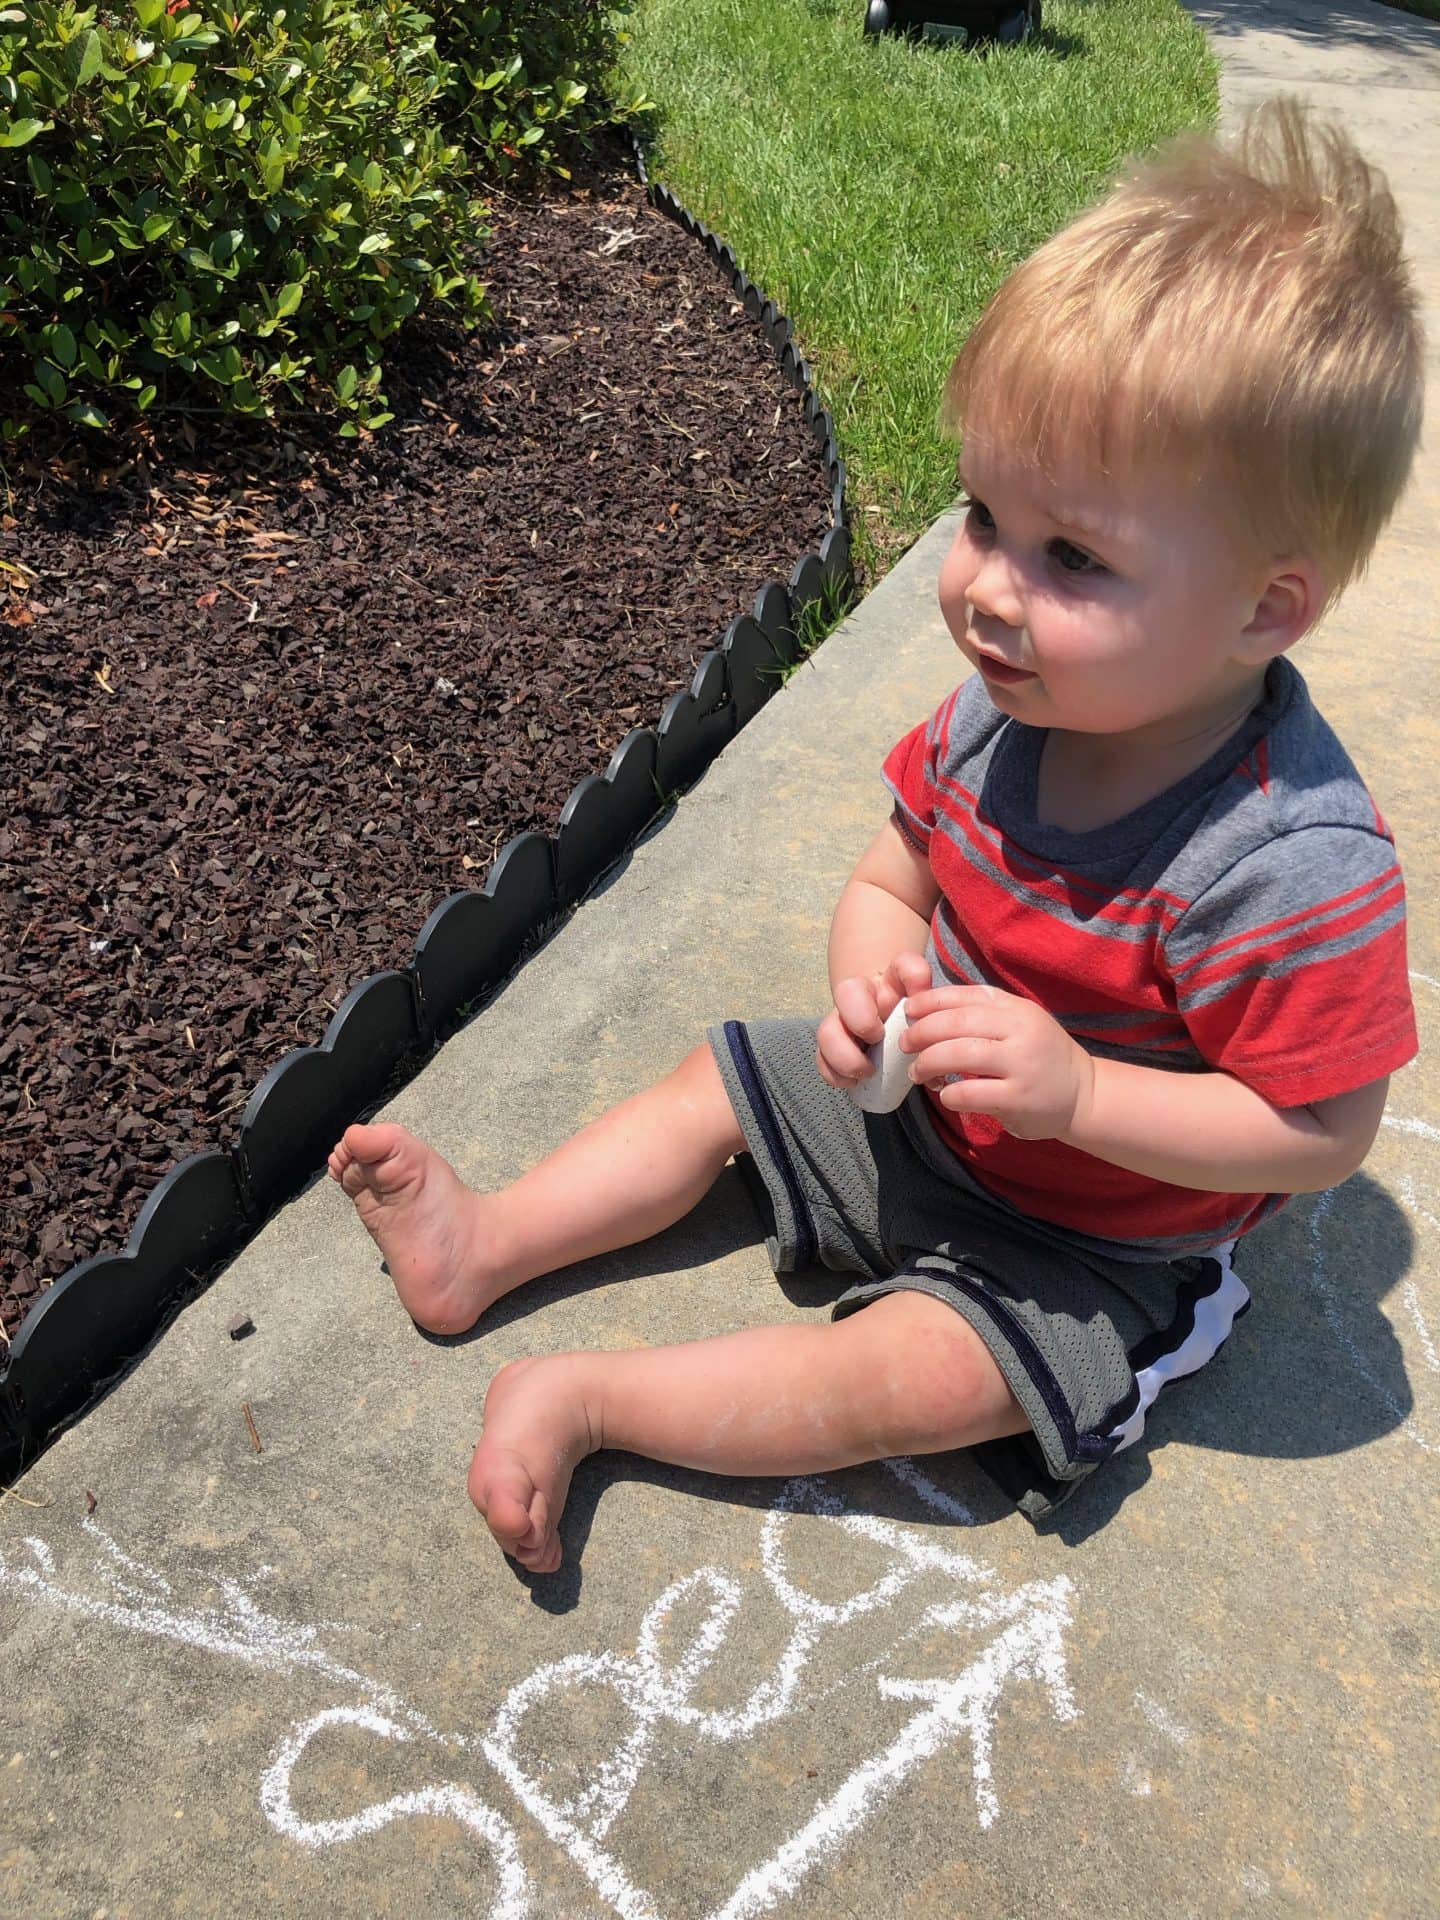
1249	919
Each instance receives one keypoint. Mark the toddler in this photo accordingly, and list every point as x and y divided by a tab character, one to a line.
1147	921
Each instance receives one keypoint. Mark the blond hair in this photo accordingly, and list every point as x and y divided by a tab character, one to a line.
1245	311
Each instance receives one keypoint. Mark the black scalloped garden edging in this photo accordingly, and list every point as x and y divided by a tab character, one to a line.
101	1315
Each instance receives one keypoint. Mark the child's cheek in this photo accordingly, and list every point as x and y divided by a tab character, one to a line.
956	573
1082	637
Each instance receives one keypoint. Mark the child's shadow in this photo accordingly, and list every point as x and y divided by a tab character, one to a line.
1314	1368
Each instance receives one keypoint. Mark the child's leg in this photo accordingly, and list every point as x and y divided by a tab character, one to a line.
906	1375
452	1252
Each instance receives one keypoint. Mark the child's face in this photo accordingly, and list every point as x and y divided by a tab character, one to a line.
1101	604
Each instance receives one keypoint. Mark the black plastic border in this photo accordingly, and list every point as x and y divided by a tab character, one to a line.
101	1314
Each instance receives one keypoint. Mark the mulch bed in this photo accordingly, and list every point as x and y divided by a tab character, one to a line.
266	704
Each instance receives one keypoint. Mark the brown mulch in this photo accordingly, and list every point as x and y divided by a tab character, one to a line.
265	705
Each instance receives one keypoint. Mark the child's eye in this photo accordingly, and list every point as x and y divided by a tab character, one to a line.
979	519
1073	559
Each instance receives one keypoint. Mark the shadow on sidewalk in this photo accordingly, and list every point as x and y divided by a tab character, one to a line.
1364	26
1315	1369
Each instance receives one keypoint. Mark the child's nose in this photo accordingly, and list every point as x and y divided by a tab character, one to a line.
994	591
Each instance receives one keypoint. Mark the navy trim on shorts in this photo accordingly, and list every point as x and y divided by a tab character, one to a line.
806	1245
1100	1436
1029	1355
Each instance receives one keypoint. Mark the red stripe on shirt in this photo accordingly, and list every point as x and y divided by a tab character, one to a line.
1306	917
1265	1033
1262	954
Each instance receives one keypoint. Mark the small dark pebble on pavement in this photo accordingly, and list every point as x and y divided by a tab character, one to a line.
240	1326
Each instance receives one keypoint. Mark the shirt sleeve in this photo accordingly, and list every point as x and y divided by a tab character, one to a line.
1290	970
910	774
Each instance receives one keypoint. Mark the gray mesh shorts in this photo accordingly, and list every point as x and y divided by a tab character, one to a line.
1086	1341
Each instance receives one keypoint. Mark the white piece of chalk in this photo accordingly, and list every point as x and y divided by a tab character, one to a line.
888	1086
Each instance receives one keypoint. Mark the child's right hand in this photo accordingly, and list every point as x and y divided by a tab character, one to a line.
863	1003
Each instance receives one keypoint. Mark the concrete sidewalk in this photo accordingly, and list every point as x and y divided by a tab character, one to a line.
302	1682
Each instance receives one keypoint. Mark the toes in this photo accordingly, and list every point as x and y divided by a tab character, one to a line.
549	1558
542	1557
365	1156
518	1515
540	1551
352	1179
548	1562
508	1518
372	1143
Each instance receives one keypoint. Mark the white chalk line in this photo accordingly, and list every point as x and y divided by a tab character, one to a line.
643	1685
939	1502
1133	1778
1410	1291
1162	1719
242	1631
1410	1294
1029	1645
512	1900
239	1630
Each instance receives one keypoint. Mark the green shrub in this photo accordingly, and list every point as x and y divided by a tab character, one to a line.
530	77
234	208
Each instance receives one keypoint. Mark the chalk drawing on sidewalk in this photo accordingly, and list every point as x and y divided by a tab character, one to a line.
1163	1721
1000	1637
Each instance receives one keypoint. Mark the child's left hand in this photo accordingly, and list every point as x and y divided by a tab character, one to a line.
1018	1061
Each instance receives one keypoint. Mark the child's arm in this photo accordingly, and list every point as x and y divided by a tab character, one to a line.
884	909
1209	1130
876	955
1204	1130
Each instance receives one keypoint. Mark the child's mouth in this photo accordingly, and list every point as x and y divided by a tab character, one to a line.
997	671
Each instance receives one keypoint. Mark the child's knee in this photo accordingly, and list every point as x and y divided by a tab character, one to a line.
951	1386
702	1091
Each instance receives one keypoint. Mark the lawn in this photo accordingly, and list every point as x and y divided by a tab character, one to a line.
878	190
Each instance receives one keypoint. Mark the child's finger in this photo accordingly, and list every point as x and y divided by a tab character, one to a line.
907	973
840	1061
856	1004
976	1094
968	1056
955	999
841	1058
912	973
841	1082
962	1023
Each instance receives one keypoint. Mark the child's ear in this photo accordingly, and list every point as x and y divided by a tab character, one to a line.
1287	609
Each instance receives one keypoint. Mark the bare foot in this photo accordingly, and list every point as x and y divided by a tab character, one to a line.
425	1221
537	1429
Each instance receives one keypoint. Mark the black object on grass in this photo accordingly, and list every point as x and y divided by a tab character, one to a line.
1004	21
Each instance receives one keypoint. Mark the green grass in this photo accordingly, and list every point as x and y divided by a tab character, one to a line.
879	190
1427	9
